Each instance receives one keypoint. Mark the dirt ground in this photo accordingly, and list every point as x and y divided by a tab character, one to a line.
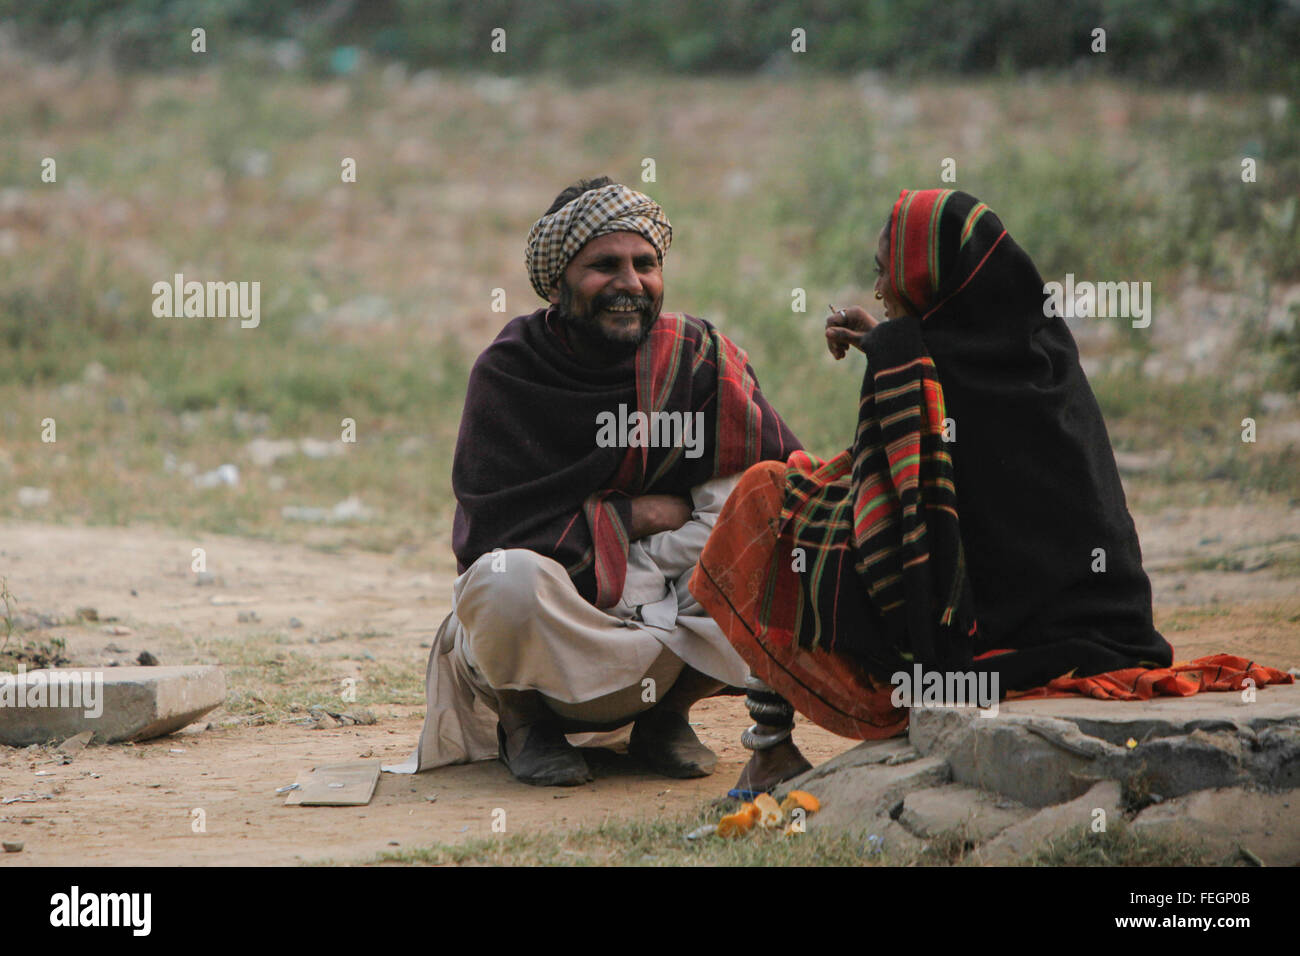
133	804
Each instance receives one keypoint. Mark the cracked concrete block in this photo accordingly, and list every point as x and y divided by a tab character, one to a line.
893	751
1018	842
853	795
1226	820
1010	759
1173	766
1277	759
979	815
1116	721
886	840
1045	751
938	730
116	703
1215	759
1035	760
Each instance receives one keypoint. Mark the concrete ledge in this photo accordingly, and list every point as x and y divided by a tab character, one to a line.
1037	769
1045	752
116	703
976	814
1116	721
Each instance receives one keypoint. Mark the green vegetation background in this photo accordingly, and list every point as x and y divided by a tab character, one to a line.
1243	42
776	177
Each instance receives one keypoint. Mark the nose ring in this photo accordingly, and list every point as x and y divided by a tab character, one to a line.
879	296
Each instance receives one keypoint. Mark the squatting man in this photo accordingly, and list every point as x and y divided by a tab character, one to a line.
575	539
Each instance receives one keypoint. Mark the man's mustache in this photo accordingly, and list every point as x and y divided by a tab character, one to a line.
642	303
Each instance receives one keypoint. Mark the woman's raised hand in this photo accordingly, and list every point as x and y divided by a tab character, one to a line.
845	327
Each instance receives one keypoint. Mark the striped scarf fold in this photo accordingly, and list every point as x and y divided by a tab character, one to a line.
889	505
686	365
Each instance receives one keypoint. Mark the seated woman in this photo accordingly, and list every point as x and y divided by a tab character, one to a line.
976	524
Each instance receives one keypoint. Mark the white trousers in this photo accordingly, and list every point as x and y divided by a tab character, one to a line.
518	623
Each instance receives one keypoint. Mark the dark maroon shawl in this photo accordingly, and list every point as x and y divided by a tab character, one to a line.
528	473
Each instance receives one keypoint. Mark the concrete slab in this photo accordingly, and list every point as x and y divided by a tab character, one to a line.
1227	820
1116	721
1018	842
1045	752
1066	758
116	703
854	794
977	814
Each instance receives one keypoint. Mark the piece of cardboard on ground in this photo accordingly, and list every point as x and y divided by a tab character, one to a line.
336	785
126	703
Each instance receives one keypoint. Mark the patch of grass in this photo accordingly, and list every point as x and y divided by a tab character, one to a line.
1119	845
658	841
387	683
661	842
1199	423
8	603
1192	618
31	654
773	186
263	678
948	848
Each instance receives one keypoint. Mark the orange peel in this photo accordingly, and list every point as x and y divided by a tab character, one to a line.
740	822
802	799
770	813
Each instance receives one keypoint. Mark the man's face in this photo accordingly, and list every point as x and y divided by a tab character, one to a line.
611	293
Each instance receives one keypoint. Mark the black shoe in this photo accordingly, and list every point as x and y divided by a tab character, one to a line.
547	760
666	744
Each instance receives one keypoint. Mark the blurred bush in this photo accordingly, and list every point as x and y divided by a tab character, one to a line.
1196	42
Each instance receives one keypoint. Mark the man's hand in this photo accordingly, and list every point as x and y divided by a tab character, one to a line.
845	327
654	513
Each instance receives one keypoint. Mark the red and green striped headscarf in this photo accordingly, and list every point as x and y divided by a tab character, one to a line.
916	237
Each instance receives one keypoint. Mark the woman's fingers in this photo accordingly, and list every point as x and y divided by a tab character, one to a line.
839	339
851	317
859	318
835	347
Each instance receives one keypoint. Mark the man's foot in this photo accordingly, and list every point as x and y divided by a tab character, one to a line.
538	754
664	741
773	766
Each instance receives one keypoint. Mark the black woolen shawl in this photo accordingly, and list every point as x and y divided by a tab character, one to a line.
527	463
1036	481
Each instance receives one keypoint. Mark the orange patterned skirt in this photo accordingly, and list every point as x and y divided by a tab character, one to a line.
757	610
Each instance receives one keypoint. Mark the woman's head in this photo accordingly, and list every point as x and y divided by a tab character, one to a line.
946	258
944	250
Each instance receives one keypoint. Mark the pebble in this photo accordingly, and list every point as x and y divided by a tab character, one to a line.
227	475
77	743
33	497
14	846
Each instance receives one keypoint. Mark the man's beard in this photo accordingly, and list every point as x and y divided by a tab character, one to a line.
584	325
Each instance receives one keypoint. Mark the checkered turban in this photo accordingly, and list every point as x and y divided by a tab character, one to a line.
555	239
